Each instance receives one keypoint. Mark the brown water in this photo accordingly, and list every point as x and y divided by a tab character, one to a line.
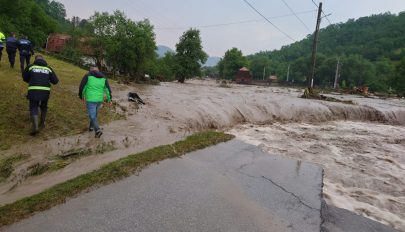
174	111
364	163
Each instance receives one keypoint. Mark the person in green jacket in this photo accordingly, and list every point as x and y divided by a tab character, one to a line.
2	41
94	89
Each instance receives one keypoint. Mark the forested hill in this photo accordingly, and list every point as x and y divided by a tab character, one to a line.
33	18
369	48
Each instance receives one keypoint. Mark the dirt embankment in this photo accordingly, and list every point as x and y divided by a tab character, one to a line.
172	112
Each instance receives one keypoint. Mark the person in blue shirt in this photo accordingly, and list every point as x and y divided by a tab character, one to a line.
26	50
11	48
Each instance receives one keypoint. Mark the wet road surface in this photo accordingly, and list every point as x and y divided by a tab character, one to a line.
230	187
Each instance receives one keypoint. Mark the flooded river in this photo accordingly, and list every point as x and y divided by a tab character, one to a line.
364	163
360	146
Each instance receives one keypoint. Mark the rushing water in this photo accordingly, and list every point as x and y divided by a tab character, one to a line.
364	163
362	157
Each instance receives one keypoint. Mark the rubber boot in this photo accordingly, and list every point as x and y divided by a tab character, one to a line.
35	128
43	118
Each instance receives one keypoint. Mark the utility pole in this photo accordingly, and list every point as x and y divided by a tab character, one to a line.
288	72
314	48
264	72
337	74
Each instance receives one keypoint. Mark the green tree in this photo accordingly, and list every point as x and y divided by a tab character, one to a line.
375	43
260	64
232	61
357	71
57	11
127	46
189	55
26	17
211	72
399	78
166	67
102	31
325	71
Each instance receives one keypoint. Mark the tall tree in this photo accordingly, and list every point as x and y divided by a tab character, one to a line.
166	66
232	61
399	79
127	46
260	66
189	55
26	17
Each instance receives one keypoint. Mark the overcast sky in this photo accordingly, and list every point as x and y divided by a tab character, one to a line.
232	23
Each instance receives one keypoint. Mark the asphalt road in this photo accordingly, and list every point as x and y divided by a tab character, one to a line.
229	187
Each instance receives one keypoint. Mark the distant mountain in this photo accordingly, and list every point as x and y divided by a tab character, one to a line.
212	61
162	50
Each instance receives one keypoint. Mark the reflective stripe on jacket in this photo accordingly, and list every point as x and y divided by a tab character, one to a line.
39	78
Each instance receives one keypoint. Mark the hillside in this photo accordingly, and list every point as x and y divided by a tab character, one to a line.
161	50
369	48
212	61
66	114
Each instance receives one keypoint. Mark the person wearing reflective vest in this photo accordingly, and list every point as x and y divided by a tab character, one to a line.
2	40
39	77
94	89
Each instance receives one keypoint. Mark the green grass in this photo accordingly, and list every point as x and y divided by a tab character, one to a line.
66	114
109	173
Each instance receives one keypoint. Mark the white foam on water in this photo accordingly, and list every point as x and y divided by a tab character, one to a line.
364	163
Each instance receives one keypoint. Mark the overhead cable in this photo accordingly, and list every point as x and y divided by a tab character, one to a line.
248	3
232	23
299	19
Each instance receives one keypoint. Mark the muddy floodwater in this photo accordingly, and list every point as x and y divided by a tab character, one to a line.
361	146
364	163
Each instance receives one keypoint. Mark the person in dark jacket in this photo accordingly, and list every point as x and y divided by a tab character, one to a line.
39	77
11	48
26	50
94	89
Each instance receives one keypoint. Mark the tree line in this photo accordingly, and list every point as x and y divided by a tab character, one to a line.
371	52
32	18
125	46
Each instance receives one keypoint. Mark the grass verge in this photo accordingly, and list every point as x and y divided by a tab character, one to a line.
119	169
66	115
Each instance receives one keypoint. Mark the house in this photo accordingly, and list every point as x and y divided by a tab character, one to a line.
273	79
243	76
56	42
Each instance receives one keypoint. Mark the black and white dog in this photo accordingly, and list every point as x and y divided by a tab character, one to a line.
134	97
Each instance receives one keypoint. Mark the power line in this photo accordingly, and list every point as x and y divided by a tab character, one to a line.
134	5
233	23
324	15
296	15
157	11
269	21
